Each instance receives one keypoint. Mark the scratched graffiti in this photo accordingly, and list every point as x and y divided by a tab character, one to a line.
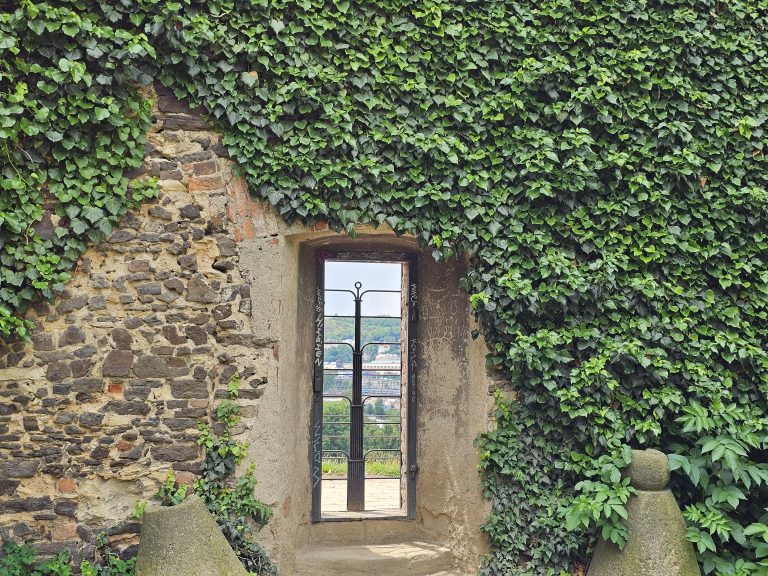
319	320
414	297
317	454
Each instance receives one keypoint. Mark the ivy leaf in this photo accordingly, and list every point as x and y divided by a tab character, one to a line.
92	213
277	25
78	226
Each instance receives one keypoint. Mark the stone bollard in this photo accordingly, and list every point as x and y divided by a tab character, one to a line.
656	544
185	540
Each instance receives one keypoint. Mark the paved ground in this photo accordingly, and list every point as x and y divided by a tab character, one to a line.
382	496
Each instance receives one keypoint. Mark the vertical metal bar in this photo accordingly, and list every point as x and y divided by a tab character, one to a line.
413	318
356	462
316	428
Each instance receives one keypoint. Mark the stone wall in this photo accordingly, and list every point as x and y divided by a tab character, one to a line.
154	323
199	285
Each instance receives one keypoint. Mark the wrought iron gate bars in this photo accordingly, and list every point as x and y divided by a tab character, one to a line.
356	457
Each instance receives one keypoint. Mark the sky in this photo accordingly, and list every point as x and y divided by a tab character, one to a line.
373	276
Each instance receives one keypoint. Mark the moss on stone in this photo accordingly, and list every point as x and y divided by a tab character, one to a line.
656	545
185	540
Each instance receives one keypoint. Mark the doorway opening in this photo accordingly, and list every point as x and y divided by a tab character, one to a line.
364	389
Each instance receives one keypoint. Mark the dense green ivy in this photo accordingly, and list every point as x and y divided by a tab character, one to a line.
71	125
602	162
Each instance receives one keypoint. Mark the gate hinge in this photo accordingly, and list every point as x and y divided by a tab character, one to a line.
414	469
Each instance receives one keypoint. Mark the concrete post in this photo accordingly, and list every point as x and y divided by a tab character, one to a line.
185	540
656	545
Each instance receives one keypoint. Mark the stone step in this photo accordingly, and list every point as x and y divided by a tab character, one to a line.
359	533
415	558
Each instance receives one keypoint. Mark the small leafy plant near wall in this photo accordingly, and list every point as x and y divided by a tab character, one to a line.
229	498
20	560
603	163
109	563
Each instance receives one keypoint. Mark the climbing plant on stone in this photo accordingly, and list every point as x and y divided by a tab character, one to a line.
601	162
72	123
603	165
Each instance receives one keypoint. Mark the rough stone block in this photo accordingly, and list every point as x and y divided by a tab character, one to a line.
97	303
8	487
223	265
188	262
121	236
227	246
65	508
185	539
19	468
190	212
91	419
88	385
149	289
175	452
199	183
25	505
151	367
30	423
199	291
184	122
160	213
204	168
176	284
85	351
58	371
117	363
72	335
171	334
72	304
134	407
189	389
43	342
196	334
122	338
80	368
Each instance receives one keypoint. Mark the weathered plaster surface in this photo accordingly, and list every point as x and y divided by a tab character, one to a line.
454	404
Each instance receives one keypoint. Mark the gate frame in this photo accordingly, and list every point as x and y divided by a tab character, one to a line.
411	343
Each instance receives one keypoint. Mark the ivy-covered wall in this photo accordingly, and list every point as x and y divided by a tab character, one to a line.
603	163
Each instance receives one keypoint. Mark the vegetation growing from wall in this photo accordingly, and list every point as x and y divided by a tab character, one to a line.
21	560
108	561
602	162
229	499
71	125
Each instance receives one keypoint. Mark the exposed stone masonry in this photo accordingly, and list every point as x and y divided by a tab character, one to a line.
153	325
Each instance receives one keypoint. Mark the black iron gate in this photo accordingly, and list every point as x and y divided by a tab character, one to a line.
357	454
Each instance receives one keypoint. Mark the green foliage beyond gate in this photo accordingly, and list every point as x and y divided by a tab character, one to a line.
602	162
